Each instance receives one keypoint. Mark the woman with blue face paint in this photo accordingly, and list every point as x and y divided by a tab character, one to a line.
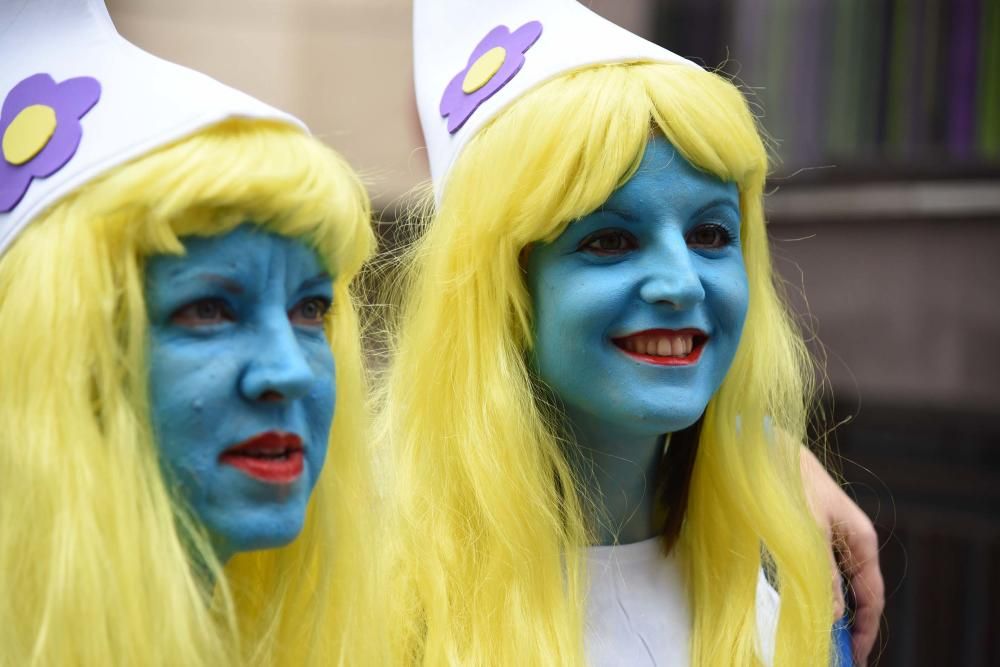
241	380
181	455
597	397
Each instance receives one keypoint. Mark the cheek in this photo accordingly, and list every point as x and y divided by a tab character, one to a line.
574	312
320	407
728	294
191	390
582	299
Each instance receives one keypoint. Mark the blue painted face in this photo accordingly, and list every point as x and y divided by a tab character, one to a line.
639	306
241	381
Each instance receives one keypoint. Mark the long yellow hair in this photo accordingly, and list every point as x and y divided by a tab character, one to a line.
96	556
489	520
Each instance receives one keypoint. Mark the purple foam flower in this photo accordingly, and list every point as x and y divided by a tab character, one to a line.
70	100
456	104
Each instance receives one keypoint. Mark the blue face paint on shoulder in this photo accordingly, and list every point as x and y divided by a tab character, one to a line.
639	306
241	381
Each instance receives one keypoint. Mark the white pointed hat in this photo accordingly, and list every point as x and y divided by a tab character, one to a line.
472	58
78	99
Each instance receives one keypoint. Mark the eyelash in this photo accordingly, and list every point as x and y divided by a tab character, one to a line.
188	315
723	239
324	307
588	244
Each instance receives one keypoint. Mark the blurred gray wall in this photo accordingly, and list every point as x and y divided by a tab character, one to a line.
906	303
343	66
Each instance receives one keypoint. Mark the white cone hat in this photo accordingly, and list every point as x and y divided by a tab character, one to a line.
79	100
472	58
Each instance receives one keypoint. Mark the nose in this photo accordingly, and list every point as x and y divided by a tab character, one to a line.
278	370
671	276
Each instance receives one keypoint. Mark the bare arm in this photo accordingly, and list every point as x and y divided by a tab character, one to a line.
853	549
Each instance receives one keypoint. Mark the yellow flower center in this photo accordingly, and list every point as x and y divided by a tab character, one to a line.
483	69
28	133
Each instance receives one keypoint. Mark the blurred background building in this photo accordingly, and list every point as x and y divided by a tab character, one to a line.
884	207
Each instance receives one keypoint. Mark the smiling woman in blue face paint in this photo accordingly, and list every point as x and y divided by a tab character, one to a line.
612	409
638	307
638	311
242	381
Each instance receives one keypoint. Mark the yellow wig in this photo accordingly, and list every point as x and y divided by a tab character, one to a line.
96	553
490	519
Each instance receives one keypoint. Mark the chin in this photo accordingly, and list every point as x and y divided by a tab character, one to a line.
662	424
663	417
257	529
273	540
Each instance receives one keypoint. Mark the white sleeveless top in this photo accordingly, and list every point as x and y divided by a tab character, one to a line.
637	610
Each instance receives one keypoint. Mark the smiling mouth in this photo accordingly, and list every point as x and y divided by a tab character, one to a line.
274	457
664	347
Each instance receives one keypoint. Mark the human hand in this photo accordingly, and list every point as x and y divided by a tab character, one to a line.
853	551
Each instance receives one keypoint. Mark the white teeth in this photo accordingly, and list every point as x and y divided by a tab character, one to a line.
660	345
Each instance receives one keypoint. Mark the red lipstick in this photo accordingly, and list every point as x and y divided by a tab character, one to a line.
664	347
275	457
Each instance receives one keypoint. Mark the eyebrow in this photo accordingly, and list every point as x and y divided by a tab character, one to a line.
234	287
227	284
323	277
721	201
623	214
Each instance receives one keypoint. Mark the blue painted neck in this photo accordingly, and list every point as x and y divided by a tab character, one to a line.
620	473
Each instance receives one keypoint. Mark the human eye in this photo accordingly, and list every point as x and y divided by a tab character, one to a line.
608	243
310	312
203	313
709	235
